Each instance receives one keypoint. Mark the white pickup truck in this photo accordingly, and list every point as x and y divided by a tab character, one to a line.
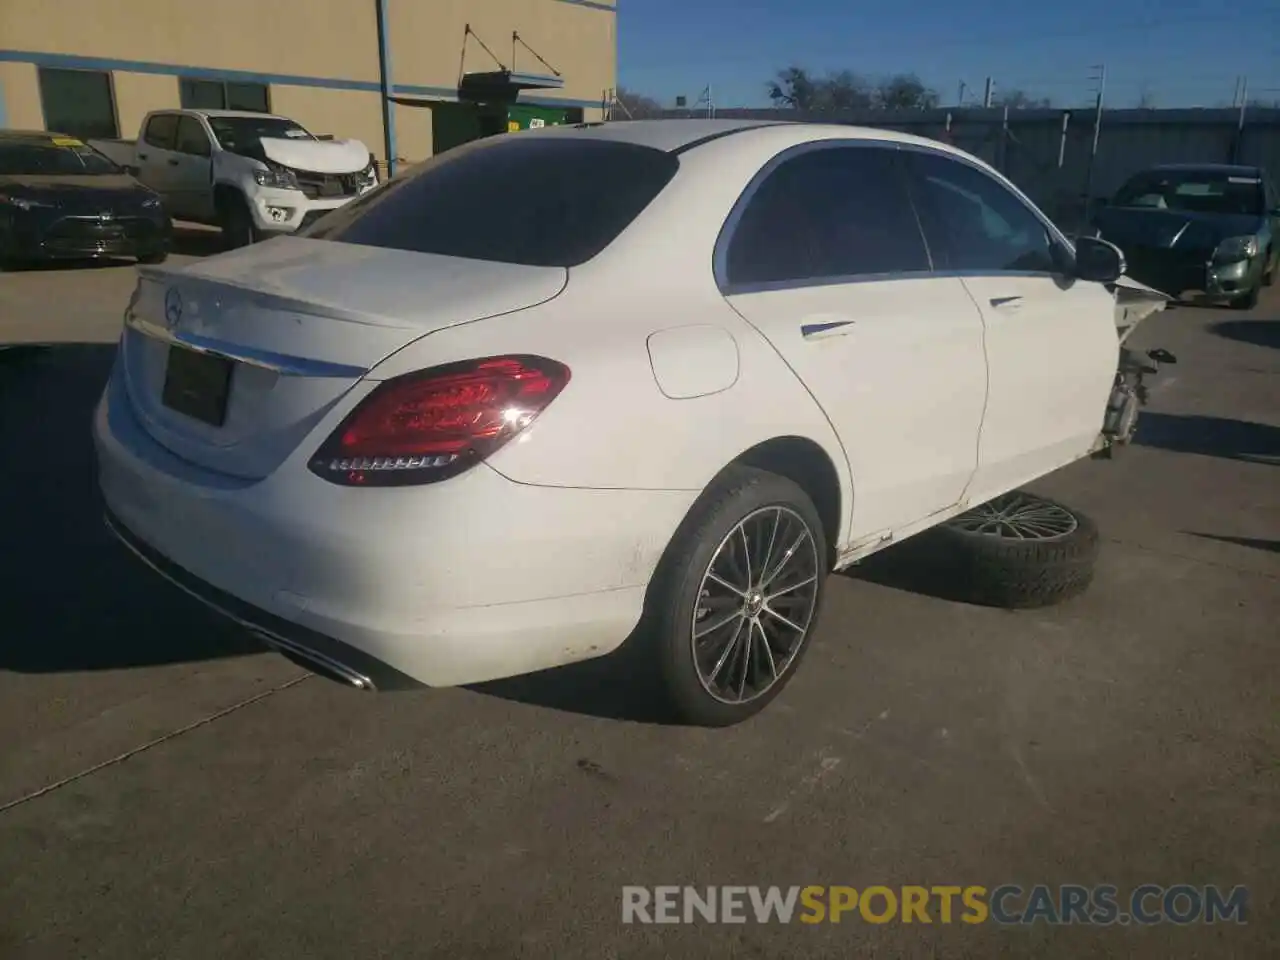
251	174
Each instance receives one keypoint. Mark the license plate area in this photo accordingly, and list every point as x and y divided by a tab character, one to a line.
197	385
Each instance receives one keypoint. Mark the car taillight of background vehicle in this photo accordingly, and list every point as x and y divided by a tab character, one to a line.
428	426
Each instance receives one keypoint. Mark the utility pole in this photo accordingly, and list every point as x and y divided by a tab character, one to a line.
1244	99
1100	78
960	99
1235	94
990	89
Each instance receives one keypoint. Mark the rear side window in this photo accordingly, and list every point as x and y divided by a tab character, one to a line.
161	131
826	214
532	200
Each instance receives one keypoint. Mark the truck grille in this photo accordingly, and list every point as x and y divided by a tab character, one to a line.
324	186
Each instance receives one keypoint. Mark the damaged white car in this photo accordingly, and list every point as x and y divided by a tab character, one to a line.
487	420
252	174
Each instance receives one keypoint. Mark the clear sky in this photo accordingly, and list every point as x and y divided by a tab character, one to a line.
1181	52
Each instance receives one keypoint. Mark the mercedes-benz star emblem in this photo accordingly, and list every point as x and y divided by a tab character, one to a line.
172	307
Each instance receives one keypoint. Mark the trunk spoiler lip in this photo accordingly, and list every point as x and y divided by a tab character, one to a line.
266	298
283	364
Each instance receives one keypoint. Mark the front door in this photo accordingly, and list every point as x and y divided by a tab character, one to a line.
828	262
1051	340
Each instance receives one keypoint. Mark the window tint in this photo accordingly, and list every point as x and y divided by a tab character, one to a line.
161	130
192	138
973	222
832	212
518	198
1194	191
78	103
216	95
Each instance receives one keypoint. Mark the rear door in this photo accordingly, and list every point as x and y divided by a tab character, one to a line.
192	175
155	152
825	257
1051	340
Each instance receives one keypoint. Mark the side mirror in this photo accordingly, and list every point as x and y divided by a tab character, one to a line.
1098	261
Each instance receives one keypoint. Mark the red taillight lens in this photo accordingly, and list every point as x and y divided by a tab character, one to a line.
432	425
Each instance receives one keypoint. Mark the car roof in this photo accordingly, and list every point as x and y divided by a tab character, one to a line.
256	114
31	136
1228	169
683	135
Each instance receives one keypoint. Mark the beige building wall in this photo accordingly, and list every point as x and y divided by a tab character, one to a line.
577	40
331	46
21	92
317	38
137	94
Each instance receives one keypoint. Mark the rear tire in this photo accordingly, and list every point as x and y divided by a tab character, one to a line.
1019	551
237	224
1268	270
736	596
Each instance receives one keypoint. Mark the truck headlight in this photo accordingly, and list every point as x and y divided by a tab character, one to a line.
273	176
1236	248
369	175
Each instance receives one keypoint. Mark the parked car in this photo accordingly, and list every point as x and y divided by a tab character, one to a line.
252	174
486	419
1203	227
60	198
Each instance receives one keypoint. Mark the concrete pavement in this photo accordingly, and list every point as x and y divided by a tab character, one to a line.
204	799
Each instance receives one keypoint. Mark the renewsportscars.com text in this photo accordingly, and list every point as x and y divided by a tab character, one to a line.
1102	905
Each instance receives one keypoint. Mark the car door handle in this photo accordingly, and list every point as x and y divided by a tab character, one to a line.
173	161
142	156
819	329
1007	303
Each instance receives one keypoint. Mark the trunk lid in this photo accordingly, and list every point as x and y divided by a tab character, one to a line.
317	156
302	321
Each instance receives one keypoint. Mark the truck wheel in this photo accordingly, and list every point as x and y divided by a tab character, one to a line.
237	224
1018	551
1268	270
736	596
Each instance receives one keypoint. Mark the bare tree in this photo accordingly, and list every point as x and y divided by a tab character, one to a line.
904	91
635	106
795	87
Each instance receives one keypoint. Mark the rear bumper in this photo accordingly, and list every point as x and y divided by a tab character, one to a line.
472	579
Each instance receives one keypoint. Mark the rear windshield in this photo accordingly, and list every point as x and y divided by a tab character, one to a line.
552	201
1193	191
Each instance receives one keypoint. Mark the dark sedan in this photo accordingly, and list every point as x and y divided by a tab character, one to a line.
1211	228
60	198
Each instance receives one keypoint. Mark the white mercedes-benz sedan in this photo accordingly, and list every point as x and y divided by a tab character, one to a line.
557	388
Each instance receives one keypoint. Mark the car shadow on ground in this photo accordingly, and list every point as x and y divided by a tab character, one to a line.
1258	333
1268	546
74	599
1210	436
620	686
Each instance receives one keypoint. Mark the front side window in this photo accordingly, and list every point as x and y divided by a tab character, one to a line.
1194	191
825	214
975	223
78	103
537	201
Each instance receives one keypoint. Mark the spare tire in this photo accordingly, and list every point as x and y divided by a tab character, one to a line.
1017	551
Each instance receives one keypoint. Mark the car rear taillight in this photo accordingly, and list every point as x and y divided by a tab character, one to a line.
428	426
